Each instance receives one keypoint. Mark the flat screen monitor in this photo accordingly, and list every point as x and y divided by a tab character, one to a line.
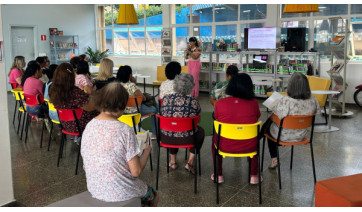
262	38
260	58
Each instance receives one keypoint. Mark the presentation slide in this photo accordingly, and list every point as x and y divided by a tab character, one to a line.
262	38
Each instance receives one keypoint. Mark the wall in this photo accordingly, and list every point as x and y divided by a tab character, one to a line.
6	180
72	19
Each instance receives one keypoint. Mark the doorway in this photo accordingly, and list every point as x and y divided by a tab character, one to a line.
23	42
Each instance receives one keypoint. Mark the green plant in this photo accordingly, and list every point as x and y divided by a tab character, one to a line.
95	56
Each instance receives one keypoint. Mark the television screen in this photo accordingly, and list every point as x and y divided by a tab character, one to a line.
262	38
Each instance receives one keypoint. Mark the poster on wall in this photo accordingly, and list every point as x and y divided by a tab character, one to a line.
1	51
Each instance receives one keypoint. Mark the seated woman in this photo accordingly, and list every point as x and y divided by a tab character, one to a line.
105	74
172	69
124	75
17	71
83	79
65	95
240	107
218	91
33	86
299	101
182	104
43	66
110	152
52	114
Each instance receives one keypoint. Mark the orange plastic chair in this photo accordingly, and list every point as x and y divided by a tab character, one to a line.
177	125
295	123
69	115
33	100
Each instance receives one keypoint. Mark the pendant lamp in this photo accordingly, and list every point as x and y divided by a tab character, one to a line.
300	8
127	15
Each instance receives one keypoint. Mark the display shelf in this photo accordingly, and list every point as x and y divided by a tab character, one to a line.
62	47
166	48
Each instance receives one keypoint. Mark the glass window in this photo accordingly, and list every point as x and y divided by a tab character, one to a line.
356	8
356	29
204	34
105	16
153	14
121	41
181	35
226	32
252	11
252	25
226	12
322	36
294	24
105	38
182	14
293	15
202	13
137	41
153	41
331	9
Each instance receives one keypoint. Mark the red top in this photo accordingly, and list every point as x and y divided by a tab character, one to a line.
33	86
14	74
236	111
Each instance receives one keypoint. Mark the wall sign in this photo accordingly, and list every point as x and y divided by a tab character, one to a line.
43	37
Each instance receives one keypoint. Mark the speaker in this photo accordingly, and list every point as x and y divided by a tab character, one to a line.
246	35
295	39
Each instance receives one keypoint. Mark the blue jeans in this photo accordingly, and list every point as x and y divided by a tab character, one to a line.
40	110
53	115
150	109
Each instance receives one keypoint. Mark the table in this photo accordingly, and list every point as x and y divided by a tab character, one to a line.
144	80
326	128
95	69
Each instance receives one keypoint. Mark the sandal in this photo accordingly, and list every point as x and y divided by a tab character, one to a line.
190	168
173	166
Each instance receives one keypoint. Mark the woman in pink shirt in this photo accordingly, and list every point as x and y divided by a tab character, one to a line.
83	79
17	71
33	86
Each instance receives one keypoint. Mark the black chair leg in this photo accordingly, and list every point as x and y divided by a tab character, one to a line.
168	159
312	154
78	156
50	135
195	167
186	154
28	120
16	104
291	158
64	140
215	158
42	132
19	122
60	149
325	114
22	126
199	163
279	174
217	176
158	167
259	178
262	155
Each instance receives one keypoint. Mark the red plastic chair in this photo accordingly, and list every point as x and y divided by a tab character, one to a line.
33	100
13	85
291	122
177	125
69	115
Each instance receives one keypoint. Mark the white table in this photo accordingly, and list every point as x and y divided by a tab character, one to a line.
95	69
144	80
326	128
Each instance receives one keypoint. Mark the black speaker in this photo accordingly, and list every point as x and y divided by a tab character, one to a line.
246	35
295	40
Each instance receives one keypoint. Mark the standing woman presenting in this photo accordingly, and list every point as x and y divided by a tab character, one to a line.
193	53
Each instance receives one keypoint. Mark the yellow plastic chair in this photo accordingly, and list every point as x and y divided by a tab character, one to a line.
133	120
236	132
17	99
51	108
161	77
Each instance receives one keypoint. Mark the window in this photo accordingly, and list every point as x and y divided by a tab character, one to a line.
331	9
322	37
356	23
226	32
134	40
356	8
252	11
226	12
180	40
182	14
202	13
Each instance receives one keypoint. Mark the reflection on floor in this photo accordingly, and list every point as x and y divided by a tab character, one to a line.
39	182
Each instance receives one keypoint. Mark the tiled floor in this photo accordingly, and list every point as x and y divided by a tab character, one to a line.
39	182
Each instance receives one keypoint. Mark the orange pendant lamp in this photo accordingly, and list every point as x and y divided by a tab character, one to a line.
300	8
127	15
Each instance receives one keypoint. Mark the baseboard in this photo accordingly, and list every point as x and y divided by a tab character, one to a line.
13	204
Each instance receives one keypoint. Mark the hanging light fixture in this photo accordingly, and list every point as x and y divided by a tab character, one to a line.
127	15
300	8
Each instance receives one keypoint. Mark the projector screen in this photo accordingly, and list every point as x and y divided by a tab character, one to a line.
262	38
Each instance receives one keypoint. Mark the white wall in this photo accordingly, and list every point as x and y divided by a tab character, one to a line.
6	180
72	19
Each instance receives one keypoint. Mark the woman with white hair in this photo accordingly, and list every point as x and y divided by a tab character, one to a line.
182	104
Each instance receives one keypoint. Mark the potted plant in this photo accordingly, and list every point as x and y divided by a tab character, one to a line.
95	56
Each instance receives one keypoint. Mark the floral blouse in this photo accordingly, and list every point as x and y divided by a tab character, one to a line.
131	89
82	80
218	92
107	147
166	88
289	106
177	105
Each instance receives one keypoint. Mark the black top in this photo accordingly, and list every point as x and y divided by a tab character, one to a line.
100	83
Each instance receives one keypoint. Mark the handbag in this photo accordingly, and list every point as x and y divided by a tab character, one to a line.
150	100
